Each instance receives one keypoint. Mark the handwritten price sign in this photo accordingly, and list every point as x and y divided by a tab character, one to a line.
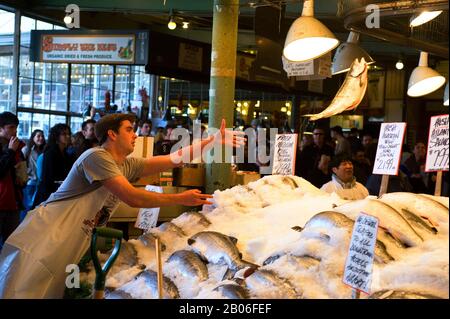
389	148
438	153
284	154
148	217
359	263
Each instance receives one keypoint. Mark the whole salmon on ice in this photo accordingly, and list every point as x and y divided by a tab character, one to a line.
350	94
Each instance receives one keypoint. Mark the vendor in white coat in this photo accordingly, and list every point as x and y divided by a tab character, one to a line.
343	182
57	233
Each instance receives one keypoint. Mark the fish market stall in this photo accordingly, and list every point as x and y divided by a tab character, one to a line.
281	237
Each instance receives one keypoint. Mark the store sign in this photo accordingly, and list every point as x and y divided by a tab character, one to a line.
298	68
148	217
316	69
389	150
359	263
284	154
75	47
190	57
438	153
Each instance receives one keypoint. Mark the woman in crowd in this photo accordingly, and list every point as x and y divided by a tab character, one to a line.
56	162
34	148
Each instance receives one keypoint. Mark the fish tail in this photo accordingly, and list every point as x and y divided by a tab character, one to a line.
312	117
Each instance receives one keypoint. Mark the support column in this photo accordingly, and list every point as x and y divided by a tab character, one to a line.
16	60
221	93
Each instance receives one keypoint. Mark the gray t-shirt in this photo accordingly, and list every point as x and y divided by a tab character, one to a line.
92	167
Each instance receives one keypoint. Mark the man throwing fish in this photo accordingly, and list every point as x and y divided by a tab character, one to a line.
343	182
57	233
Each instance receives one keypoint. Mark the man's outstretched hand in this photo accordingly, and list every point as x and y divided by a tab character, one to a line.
229	137
194	197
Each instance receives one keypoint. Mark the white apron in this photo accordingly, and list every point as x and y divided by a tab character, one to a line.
34	258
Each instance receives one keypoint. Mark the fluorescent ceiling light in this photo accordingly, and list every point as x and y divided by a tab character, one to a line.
424	80
347	53
308	38
423	17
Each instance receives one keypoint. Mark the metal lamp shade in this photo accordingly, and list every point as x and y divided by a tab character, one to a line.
424	80
347	52
308	39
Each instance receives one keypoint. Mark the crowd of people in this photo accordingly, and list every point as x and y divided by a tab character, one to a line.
344	164
329	159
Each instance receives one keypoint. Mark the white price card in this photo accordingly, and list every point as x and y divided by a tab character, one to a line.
359	263
284	154
389	150
437	153
148	217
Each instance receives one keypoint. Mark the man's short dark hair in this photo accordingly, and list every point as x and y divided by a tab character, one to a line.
111	122
8	118
338	160
337	129
85	123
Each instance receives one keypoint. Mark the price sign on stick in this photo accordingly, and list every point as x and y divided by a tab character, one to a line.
389	151
437	152
284	154
358	266
148	217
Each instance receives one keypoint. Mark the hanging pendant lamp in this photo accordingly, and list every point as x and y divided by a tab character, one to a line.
308	38
347	52
423	79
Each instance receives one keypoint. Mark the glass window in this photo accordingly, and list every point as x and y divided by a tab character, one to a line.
75	124
24	130
59	72
25	92
41	95
6	59
26	25
41	25
57	119
59	97
25	66
41	121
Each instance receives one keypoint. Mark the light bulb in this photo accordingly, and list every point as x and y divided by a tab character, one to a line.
185	25
171	25
67	19
399	65
288	113
284	109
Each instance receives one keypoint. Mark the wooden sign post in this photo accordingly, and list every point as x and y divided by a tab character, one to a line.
159	268
359	263
438	152
389	151
284	154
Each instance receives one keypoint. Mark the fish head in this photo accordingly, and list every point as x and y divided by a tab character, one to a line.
358	67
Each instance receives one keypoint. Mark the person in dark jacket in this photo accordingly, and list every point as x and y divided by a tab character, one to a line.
11	183
56	163
312	162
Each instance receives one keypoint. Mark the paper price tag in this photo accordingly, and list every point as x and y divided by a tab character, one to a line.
359	263
148	217
389	150
284	154
438	152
